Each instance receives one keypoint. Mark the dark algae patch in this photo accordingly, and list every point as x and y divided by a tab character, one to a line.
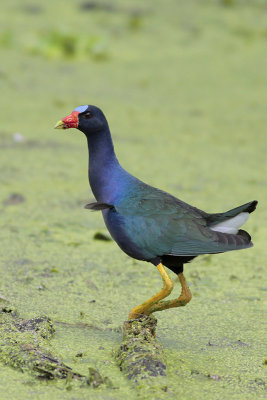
102	236
14	199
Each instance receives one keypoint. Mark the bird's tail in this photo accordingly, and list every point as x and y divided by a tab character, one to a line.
214	219
230	221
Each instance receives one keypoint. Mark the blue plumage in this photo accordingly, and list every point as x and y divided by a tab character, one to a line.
147	223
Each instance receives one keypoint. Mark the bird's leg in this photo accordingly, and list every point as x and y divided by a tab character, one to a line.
182	300
164	292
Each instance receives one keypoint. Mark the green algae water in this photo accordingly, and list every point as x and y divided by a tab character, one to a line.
183	86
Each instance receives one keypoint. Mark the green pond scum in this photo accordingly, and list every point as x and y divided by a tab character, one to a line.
183	85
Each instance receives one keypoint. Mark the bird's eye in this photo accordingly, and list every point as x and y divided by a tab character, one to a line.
87	115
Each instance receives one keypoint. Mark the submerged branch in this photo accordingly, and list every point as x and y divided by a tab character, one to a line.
24	346
140	355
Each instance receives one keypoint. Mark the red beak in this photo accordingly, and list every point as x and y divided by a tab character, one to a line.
71	121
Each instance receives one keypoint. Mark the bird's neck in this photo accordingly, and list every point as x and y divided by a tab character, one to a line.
103	165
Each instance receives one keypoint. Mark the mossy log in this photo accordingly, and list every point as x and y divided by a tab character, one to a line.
24	346
140	355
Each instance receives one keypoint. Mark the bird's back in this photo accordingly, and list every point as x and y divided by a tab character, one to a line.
147	223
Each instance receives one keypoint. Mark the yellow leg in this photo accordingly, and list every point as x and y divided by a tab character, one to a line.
164	292
181	301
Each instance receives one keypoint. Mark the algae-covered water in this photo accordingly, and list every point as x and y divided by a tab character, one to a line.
183	85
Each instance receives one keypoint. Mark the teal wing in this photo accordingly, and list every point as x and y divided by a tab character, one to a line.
158	223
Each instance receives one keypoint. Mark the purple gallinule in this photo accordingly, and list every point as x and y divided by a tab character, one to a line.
147	223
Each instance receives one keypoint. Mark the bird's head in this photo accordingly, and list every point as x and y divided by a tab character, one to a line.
88	119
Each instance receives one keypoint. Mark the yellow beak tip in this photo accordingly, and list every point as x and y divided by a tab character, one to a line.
59	125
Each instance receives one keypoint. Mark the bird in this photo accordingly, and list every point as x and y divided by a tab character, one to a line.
147	223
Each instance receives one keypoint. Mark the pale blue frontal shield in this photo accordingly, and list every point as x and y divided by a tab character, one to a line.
81	109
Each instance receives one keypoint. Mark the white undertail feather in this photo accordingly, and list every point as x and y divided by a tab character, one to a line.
231	225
